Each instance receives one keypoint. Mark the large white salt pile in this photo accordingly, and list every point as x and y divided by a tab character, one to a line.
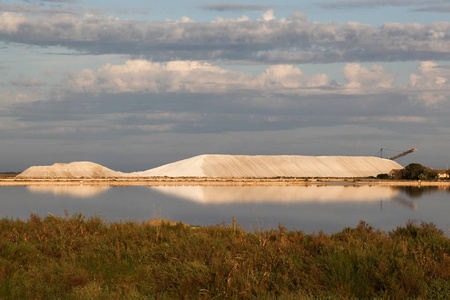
267	166
77	169
231	166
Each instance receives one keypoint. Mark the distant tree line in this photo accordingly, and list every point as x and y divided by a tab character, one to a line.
413	171
417	171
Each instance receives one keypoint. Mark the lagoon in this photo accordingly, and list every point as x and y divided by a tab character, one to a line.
306	208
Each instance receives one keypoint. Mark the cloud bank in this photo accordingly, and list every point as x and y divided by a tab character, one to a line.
266	41
142	76
233	7
142	96
379	3
143	102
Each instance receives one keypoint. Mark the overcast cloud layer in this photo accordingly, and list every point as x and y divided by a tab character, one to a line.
379	3
131	93
266	40
233	7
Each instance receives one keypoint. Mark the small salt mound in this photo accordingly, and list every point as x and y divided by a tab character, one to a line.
269	166
78	169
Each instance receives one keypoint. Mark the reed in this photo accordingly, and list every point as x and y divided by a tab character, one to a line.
74	257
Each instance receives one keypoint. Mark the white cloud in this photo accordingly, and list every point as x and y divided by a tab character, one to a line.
9	22
186	20
142	76
145	76
280	75
431	98
430	77
243	19
318	80
27	82
432	83
268	15
374	77
8	99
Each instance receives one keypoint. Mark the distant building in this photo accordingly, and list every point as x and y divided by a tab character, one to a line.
442	174
395	174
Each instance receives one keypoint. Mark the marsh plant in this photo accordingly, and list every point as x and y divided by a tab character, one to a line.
73	257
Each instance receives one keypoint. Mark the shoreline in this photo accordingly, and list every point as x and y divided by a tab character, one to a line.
189	181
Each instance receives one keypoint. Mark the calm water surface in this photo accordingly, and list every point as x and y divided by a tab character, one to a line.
327	208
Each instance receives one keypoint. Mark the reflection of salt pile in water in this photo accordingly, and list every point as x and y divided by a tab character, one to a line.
278	194
80	191
71	170
264	166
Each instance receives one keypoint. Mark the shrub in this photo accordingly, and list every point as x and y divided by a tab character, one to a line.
416	171
383	176
412	171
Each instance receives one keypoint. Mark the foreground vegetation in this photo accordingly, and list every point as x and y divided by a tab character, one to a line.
78	258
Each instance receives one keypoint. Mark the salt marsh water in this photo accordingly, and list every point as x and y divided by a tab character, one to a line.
307	208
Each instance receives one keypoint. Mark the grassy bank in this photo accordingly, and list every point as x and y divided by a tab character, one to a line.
8	175
78	258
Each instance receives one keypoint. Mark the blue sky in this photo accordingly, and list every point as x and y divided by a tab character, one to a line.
137	84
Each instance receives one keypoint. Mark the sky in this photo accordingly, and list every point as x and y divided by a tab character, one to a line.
133	85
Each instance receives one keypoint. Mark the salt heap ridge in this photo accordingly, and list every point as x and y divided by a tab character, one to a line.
269	166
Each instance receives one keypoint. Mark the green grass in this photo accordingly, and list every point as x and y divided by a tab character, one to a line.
78	258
